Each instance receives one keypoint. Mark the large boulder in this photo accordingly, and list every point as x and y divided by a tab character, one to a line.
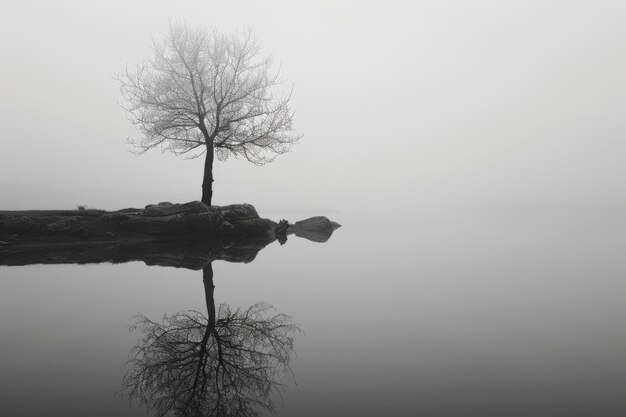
316	229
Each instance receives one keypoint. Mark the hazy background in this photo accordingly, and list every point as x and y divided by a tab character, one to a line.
470	104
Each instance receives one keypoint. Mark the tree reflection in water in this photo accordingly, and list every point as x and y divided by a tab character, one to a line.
226	363
229	363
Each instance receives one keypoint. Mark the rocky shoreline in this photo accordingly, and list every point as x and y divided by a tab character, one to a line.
157	220
186	235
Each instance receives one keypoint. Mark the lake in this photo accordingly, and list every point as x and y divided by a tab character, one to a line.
484	312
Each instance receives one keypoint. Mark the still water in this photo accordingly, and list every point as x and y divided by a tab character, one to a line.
445	313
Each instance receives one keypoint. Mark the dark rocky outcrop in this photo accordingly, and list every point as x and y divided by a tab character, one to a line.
161	220
186	235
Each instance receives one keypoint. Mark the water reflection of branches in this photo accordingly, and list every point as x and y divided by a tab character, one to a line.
227	364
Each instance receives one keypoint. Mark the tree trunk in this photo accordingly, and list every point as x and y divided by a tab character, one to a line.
207	183
209	287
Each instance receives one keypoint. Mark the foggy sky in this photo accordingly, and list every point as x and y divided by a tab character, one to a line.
453	103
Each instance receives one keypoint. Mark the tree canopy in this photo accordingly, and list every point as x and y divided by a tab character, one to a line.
212	93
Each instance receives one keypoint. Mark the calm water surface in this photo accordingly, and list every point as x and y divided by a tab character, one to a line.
484	313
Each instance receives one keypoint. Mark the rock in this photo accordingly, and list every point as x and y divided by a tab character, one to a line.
166	209
315	229
161	204
193	218
239	211
205	223
19	224
129	210
254	227
70	226
227	227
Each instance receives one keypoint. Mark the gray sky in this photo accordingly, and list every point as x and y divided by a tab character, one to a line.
410	103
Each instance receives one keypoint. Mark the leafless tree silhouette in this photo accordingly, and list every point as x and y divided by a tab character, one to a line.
227	364
209	93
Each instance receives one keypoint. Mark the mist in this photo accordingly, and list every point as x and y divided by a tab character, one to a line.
427	104
473	153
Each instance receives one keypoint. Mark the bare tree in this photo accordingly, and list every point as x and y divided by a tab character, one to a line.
209	93
227	364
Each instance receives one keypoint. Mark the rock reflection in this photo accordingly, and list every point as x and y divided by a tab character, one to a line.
227	363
